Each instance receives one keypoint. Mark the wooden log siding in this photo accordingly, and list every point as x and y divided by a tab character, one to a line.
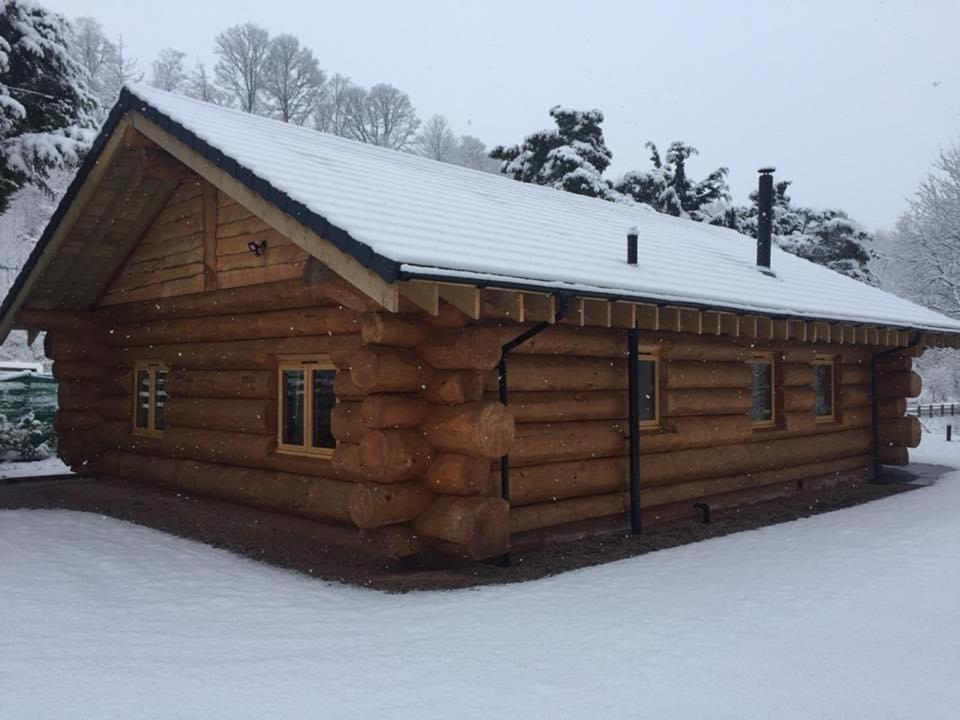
569	458
418	422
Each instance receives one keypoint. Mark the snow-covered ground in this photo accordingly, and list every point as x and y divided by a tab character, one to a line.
50	466
937	427
852	614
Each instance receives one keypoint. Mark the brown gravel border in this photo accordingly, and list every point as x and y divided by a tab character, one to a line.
300	544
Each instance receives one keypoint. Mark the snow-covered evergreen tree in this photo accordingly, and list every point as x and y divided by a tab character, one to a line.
572	157
668	187
47	112
826	237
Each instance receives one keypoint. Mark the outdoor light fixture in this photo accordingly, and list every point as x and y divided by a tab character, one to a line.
257	248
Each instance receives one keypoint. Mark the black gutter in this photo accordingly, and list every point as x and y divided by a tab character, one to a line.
875	411
633	390
383	266
562	305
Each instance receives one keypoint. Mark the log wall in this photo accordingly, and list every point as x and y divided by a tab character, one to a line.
199	242
418	424
568	395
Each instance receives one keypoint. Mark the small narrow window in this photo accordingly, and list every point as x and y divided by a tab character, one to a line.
150	398
762	410
306	402
648	376
824	386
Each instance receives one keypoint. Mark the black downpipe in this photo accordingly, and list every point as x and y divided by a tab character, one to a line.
562	304
633	391
704	509
875	411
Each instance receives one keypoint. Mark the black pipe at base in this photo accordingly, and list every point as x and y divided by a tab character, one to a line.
562	304
633	390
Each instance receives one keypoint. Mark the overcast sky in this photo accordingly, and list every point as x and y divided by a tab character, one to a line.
850	99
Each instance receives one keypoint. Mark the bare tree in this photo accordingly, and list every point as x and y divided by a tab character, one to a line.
119	70
472	153
93	50
292	80
436	140
382	115
167	71
331	113
199	85
106	64
927	238
242	50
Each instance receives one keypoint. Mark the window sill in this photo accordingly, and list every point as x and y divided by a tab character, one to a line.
142	433
766	425
316	453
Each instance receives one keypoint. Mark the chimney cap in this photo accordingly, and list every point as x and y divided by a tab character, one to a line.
767	170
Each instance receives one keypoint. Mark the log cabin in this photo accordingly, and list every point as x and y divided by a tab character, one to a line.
430	358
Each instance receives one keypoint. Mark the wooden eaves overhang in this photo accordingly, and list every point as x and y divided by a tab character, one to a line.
486	303
132	170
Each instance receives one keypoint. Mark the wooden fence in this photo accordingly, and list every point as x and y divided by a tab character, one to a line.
934	410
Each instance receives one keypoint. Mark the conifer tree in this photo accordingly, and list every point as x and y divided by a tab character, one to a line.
572	157
47	112
668	188
826	237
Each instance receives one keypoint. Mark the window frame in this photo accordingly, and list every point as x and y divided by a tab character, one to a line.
832	362
652	354
771	360
151	367
307	364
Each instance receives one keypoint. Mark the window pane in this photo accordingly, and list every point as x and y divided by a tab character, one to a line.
823	384
647	379
762	388
323	401
159	399
292	433
143	398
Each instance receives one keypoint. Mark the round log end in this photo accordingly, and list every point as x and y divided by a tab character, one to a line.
373	505
459	475
496	430
394	455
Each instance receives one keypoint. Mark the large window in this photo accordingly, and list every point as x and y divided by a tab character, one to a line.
150	398
648	378
763	405
824	385
306	400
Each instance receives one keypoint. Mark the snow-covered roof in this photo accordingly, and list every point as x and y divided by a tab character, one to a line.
409	217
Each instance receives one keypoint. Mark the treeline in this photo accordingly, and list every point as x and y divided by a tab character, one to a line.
279	77
51	102
574	157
